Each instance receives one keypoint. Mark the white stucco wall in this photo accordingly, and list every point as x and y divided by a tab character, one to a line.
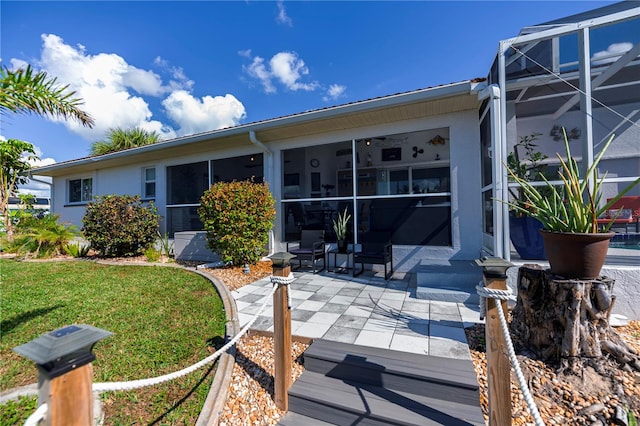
463	146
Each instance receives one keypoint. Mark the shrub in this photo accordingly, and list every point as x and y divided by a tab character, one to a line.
120	225
40	236
152	254
238	217
77	249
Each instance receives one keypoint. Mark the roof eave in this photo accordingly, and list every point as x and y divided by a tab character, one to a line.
431	93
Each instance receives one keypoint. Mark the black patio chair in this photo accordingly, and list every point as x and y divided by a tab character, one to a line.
376	250
311	247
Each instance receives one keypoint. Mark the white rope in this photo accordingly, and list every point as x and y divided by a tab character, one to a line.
275	280
37	416
134	384
492	293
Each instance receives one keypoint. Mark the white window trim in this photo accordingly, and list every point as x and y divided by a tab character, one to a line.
145	196
81	201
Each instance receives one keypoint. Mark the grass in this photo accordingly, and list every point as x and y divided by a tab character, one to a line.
163	319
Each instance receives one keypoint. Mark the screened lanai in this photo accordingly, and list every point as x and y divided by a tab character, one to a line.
580	73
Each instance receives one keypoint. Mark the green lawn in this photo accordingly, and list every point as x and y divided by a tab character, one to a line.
163	319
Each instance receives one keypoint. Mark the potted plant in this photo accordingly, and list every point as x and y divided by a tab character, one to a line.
340	228
569	215
523	229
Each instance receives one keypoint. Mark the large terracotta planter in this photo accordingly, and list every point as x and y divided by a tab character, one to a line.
574	255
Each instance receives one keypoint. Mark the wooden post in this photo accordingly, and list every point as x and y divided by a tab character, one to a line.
70	399
498	367
64	358
282	340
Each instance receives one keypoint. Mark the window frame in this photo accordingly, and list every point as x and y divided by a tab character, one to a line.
145	182
83	200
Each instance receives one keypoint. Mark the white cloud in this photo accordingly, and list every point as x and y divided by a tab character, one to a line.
259	71
289	69
245	53
207	113
334	92
114	92
285	67
613	49
282	17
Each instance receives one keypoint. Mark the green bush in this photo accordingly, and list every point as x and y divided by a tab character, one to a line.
120	225
39	235
77	249
237	217
152	254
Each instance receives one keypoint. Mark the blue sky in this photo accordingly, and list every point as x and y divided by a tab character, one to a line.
186	67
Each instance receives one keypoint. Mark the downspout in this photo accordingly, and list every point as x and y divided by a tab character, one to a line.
268	169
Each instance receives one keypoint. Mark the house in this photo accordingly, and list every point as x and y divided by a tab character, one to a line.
424	166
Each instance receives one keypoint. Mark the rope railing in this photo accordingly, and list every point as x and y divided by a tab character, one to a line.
39	414
134	384
507	295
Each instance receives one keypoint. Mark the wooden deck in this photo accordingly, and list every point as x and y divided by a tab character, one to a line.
347	384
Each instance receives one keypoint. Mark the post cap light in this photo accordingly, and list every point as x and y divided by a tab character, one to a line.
64	349
494	265
281	259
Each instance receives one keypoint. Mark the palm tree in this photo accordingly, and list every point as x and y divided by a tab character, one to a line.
25	91
118	139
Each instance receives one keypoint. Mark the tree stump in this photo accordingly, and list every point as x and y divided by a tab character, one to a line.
561	320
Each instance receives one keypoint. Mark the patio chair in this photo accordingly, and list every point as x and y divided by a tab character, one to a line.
376	250
311	247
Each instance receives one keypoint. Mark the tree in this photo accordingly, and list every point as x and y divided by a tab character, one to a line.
25	91
14	166
119	139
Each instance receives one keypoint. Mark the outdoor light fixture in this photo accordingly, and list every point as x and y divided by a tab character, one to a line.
494	265
281	259
367	142
63	350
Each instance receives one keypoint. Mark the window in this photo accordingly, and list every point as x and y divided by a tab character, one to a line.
80	190
149	184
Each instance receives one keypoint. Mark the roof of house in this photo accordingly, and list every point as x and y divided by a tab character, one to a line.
441	99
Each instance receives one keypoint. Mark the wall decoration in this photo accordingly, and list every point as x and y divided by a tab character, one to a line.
556	133
392	154
437	140
417	151
314	162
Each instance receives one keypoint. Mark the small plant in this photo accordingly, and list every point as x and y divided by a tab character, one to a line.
574	206
238	217
528	165
77	249
340	225
152	254
120	225
166	245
